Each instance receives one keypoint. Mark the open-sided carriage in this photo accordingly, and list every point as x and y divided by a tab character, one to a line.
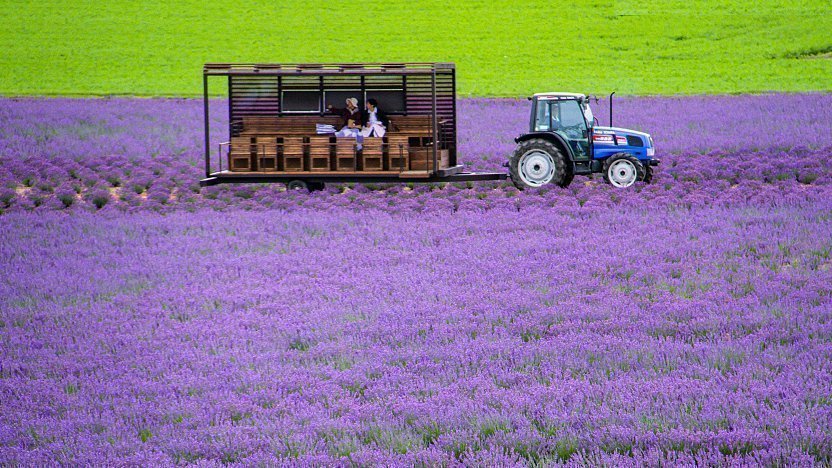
274	111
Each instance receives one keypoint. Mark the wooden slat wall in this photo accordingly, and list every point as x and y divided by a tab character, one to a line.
446	111
420	102
253	95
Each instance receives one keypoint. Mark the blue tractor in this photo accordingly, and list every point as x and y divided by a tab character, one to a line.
564	141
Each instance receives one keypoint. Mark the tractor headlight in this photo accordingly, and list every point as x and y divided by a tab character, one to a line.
651	148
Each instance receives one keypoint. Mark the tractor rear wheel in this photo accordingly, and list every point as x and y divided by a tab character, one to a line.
623	170
648	175
567	179
537	162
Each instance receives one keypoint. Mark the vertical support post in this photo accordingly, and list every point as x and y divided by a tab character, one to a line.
207	125
230	110
279	95
453	100
321	98
433	127
404	92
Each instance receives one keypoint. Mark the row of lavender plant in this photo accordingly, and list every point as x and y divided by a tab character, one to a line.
694	336
147	154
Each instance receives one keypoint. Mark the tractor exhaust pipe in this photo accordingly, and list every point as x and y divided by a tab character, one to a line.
611	94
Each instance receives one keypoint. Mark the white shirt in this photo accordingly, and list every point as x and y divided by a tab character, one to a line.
374	126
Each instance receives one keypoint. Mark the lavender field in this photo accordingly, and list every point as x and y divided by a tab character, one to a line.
133	155
144	320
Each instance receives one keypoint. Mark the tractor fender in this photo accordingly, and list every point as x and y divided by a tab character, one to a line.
556	139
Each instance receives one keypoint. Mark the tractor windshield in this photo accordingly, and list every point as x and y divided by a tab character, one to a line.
542	117
566	117
590	119
553	115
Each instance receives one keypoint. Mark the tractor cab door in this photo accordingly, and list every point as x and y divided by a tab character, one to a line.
566	118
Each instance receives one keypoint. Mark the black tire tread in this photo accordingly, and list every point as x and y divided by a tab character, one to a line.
641	173
562	176
648	175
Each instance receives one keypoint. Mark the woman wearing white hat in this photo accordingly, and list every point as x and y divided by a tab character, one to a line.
351	115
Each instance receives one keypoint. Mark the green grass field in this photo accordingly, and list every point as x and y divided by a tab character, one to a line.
501	49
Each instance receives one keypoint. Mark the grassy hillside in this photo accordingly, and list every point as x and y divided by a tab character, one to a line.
503	49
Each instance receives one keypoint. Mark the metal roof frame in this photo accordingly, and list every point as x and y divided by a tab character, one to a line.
321	69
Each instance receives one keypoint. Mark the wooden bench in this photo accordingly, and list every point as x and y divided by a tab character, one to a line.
286	126
290	143
263	138
411	125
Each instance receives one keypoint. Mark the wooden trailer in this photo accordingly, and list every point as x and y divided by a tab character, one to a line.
274	111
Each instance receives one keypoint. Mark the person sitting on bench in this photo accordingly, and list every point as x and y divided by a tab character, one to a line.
375	121
351	118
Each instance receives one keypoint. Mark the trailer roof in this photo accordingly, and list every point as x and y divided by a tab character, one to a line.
558	94
399	68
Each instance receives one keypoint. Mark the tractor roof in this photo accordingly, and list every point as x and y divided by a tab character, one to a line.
555	94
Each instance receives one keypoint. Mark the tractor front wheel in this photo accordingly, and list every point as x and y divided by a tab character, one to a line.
623	170
537	162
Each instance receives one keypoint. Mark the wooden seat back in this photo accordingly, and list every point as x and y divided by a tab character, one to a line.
266	146
416	125
241	145
292	146
304	125
396	143
319	146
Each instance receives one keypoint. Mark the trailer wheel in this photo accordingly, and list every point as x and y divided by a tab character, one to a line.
297	184
623	170
537	162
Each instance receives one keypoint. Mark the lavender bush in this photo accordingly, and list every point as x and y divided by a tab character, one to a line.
336	336
688	321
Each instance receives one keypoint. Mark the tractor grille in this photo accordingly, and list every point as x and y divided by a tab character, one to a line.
634	141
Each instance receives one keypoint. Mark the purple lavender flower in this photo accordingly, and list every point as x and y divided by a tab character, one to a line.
682	322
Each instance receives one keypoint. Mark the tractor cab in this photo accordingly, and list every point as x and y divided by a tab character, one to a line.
564	141
566	114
